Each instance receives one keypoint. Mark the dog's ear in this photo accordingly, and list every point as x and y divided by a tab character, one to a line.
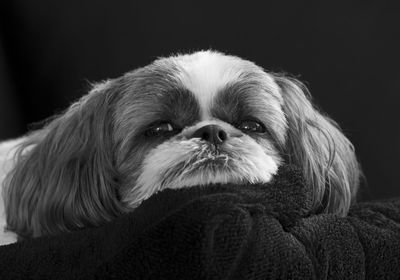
64	177
316	144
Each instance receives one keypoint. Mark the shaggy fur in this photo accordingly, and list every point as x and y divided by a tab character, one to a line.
133	136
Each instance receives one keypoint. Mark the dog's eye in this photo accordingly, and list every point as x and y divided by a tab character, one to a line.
251	126
160	129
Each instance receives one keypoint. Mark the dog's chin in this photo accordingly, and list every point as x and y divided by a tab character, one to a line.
183	163
209	172
217	169
212	172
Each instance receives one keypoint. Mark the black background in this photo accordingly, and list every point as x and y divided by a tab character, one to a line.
347	52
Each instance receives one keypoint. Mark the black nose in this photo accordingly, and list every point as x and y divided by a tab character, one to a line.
211	133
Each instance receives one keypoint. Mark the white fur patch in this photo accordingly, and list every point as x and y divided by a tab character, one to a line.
245	160
205	73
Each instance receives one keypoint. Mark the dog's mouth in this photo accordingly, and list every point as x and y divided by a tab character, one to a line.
211	165
210	157
206	165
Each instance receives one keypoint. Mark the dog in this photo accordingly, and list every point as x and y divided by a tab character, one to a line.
185	120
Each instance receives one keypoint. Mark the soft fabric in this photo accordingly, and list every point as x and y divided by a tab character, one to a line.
222	232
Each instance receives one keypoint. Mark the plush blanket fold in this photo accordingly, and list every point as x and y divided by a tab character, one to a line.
222	232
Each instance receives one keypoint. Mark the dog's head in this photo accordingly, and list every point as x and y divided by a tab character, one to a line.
181	121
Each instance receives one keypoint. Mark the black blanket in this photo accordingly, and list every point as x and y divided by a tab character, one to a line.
222	232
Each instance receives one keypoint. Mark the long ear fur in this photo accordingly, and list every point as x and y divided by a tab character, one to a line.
64	178
316	144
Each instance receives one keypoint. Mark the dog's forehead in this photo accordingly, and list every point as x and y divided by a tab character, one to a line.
199	84
207	73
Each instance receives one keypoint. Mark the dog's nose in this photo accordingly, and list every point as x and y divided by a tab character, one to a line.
211	133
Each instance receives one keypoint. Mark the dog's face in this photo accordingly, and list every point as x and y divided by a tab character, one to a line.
198	119
182	121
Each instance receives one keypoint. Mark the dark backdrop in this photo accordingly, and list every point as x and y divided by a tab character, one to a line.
346	51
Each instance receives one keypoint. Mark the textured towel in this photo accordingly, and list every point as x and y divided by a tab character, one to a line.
222	232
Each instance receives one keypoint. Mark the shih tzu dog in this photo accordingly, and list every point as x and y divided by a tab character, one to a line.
181	121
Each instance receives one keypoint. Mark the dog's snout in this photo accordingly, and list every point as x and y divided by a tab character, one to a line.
211	133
